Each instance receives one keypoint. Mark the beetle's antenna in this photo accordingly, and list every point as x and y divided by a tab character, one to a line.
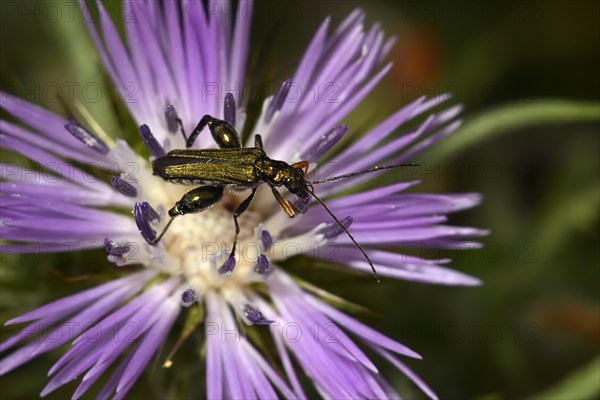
347	233
366	171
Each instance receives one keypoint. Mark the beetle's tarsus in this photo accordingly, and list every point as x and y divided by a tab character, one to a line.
159	237
239	211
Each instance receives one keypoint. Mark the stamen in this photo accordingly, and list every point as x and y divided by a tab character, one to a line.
143	224
150	142
262	266
332	230
114	248
229	109
254	316
301	206
150	213
228	266
86	137
266	239
327	142
278	99
123	187
189	297
172	119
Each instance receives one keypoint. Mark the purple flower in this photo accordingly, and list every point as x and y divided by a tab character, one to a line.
181	57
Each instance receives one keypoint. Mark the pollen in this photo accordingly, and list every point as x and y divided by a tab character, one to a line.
198	245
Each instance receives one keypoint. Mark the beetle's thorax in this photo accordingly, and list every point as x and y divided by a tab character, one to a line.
280	173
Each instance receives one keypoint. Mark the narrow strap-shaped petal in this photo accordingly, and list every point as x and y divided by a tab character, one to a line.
121	60
239	45
169	311
406	371
70	303
49	125
214	361
360	329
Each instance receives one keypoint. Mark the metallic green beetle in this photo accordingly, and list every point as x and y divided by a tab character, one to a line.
236	168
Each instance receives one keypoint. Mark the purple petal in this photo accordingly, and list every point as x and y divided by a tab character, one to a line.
359	329
76	301
110	385
49	144
268	371
55	164
239	45
47	123
214	361
74	326
151	342
412	235
60	192
176	54
396	266
120	58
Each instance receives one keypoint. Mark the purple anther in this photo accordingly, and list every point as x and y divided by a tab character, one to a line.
86	137
227	267
114	248
150	213
332	230
278	99
266	239
143	224
301	206
150	142
229	109
172	119
189	297
327	142
262	266
254	316
123	187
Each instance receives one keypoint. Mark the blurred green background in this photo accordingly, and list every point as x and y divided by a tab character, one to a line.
526	72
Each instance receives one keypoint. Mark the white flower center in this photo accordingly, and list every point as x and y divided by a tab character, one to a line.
198	244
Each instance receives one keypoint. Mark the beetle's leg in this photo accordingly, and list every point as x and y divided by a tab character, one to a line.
222	132
286	205
258	142
196	200
301	165
163	232
239	211
181	128
189	141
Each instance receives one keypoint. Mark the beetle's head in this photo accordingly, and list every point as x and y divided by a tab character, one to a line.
296	184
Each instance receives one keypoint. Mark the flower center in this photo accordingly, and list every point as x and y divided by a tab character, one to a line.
199	244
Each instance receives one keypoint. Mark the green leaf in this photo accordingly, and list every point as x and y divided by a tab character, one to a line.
582	384
512	117
579	209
